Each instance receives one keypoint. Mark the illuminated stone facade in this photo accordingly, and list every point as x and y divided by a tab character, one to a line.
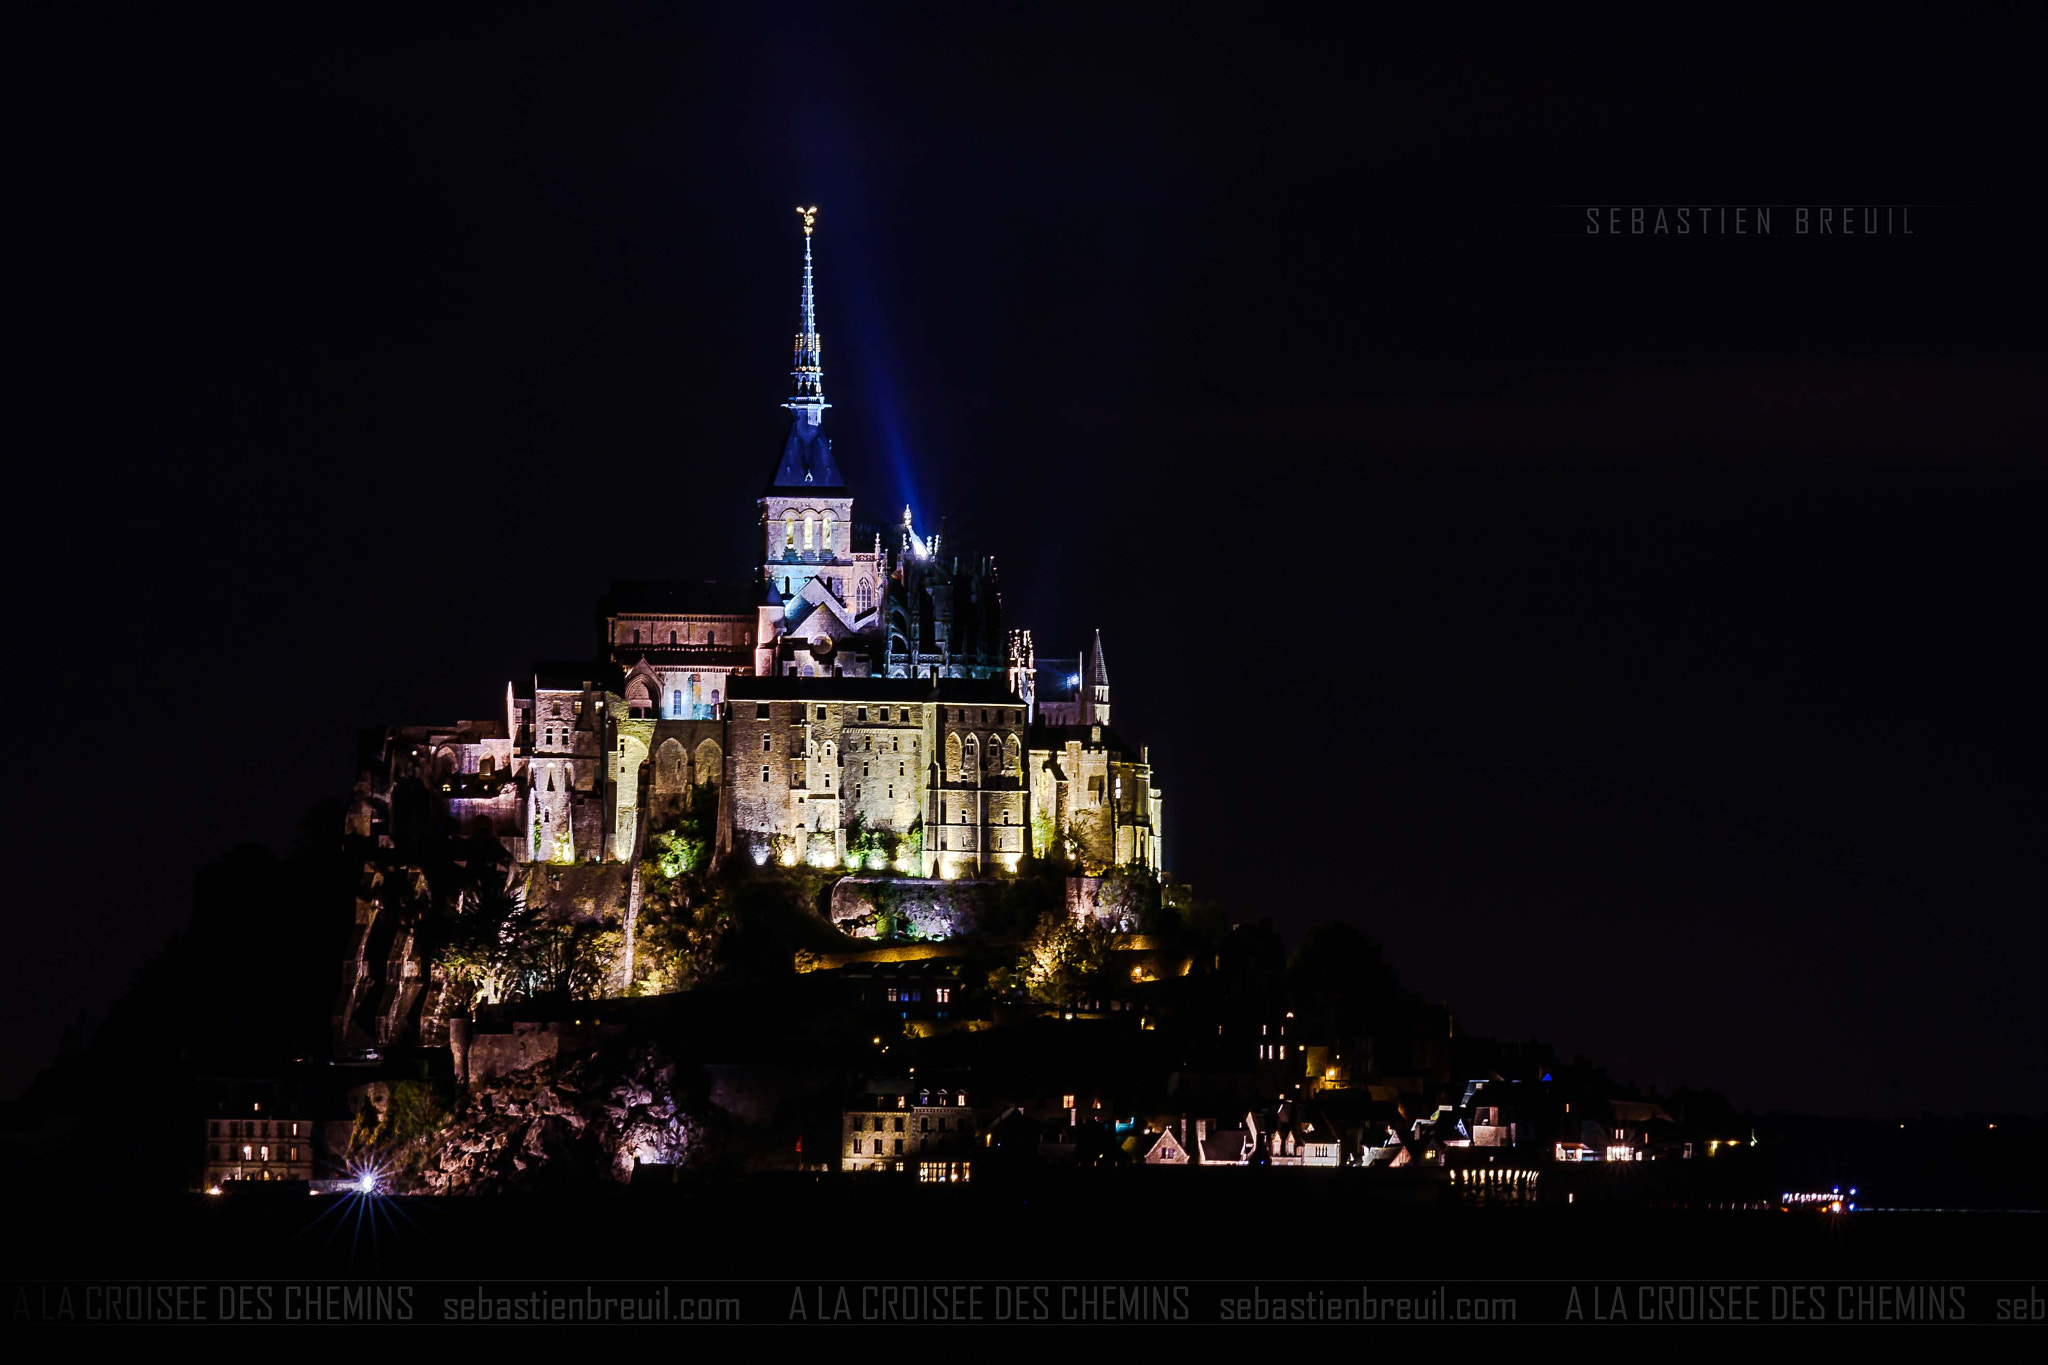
860	696
256	1145
929	1132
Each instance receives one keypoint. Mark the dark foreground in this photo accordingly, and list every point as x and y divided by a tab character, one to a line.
850	1229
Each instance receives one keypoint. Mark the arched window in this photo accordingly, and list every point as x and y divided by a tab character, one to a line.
825	537
864	597
675	705
789	530
810	528
970	757
710	637
952	753
671	637
636	635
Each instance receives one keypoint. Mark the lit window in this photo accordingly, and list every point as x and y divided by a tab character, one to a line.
809	528
825	538
788	533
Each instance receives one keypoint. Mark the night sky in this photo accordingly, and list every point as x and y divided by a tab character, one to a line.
1640	636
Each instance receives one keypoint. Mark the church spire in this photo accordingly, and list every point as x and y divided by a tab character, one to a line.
807	461
807	378
1095	686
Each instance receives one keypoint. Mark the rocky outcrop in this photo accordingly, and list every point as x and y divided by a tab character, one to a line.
582	1121
579	893
913	907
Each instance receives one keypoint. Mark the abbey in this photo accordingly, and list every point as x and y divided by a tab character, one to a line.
857	702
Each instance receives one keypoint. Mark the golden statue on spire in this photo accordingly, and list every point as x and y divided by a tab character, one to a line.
810	217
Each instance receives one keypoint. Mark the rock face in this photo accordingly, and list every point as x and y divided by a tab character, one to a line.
915	906
571	1121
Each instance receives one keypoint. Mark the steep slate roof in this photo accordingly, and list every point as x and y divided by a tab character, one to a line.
1225	1147
807	462
1096	674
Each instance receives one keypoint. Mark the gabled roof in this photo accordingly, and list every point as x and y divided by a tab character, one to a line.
1224	1146
1142	1145
838	621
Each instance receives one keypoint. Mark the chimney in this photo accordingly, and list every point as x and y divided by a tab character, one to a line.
1201	1130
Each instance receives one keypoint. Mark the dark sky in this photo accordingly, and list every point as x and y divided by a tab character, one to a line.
1639	635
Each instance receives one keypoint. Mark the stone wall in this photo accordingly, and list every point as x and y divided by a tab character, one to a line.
802	768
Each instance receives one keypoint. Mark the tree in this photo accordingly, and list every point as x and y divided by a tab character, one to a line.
1062	960
1131	894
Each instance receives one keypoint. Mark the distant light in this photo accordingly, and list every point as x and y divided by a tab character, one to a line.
1073	680
367	1184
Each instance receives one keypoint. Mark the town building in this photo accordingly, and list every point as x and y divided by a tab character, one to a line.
895	1126
255	1142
